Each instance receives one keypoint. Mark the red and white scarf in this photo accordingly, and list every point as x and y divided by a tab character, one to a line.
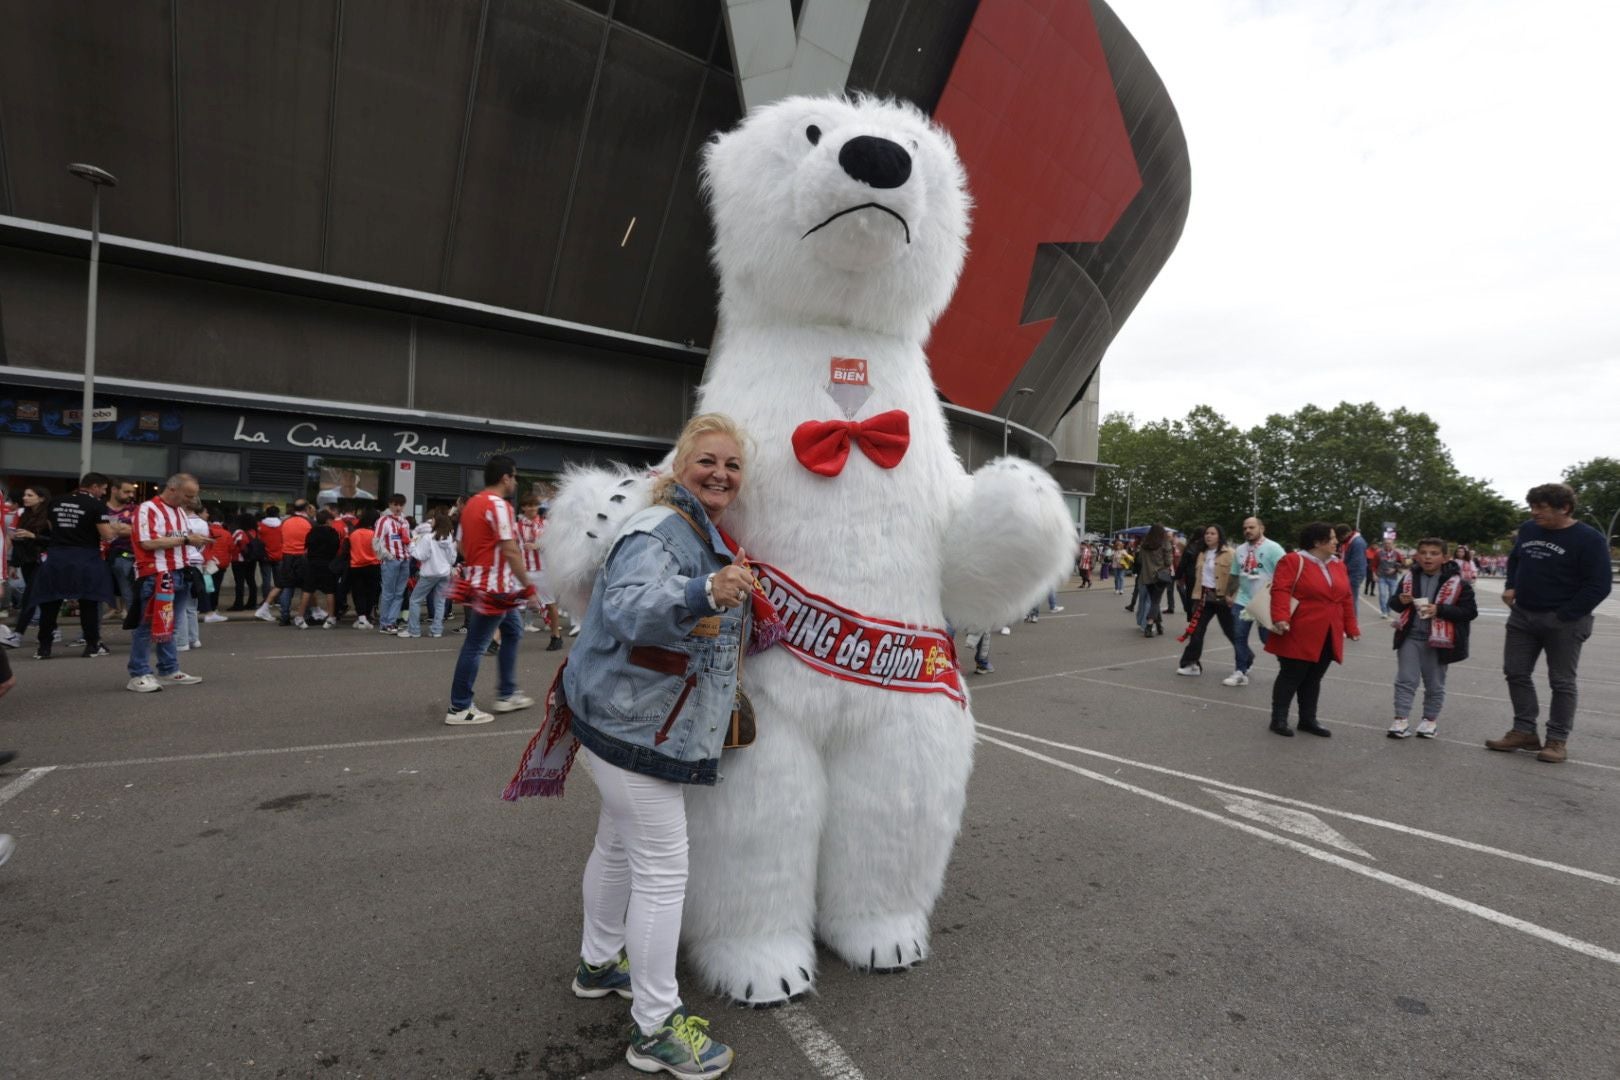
1442	632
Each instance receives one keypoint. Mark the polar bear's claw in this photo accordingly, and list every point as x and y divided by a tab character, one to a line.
751	972
879	946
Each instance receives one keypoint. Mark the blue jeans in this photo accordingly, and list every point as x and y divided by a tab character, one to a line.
123	576
394	576
1147	603
480	632
1386	590
1119	579
140	642
1240	639
429	592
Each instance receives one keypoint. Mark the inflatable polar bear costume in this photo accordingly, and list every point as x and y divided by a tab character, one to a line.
840	227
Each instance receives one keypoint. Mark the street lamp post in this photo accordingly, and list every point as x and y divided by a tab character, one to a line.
1128	478
1006	421
97	179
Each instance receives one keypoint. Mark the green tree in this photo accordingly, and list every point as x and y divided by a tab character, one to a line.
1597	486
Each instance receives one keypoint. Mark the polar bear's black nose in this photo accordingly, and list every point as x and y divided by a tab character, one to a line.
874	161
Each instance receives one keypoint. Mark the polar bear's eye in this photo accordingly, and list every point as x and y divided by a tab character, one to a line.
813	133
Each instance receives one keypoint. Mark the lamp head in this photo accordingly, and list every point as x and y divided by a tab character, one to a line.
98	177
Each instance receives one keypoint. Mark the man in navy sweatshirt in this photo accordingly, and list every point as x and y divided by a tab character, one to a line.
1557	574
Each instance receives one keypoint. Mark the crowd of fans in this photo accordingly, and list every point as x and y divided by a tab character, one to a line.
1304	605
303	567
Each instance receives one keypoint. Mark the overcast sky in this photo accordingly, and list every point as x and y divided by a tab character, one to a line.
1411	203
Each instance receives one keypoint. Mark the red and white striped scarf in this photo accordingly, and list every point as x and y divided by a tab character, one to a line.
1442	632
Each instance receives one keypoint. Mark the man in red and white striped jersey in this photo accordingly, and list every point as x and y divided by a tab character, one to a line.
494	584
531	526
393	541
160	556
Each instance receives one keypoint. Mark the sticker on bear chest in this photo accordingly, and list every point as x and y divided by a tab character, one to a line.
848	385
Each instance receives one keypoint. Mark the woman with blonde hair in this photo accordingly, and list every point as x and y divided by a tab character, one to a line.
648	692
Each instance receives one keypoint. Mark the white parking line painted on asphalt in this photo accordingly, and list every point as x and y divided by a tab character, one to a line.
822	1049
23	783
1392	826
316	748
407	651
1513	922
1267	710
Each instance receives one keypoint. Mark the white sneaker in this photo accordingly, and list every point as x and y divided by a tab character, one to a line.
518	700
214	616
9	637
329	624
264	613
1426	728
143	684
533	628
573	631
387	629
1237	678
1006	629
300	622
472	714
317	615
196	644
1398	729
362	623
182	648
406	634
1057	609
1191	669
180	678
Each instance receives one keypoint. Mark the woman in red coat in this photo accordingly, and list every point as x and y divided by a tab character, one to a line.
1310	638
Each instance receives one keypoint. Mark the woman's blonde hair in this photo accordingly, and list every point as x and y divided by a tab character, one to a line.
686	448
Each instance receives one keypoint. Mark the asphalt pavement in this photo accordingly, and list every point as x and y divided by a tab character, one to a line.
294	869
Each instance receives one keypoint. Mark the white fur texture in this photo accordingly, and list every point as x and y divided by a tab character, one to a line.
837	824
591	505
983	544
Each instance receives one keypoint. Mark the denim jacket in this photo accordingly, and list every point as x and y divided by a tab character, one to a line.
653	676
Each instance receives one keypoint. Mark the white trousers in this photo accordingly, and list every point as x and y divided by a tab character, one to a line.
635	885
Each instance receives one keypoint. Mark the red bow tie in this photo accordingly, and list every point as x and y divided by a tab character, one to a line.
822	446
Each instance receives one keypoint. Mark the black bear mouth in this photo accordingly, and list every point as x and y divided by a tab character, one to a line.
865	206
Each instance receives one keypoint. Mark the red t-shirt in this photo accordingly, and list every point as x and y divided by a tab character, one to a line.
360	552
485	522
294	534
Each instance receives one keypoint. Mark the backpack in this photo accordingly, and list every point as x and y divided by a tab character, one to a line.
254	550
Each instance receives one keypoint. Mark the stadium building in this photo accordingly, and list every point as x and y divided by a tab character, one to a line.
359	246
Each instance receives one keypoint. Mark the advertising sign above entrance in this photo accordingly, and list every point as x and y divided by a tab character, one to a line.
339	437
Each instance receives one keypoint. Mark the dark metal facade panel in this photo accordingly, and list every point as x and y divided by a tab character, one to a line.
688	25
479	372
157	327
90	81
628	163
254	84
527	120
179	330
681	289
401	105
42	300
908	47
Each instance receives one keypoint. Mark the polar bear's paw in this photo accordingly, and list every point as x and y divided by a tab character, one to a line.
878	943
760	972
1010	541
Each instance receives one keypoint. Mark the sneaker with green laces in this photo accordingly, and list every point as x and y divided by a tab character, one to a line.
680	1047
613	977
